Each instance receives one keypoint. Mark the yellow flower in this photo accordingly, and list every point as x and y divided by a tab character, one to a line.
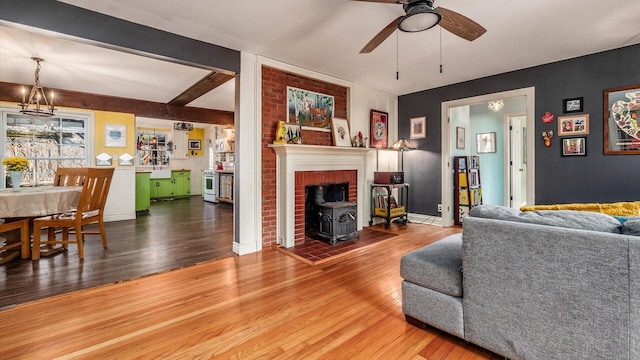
16	164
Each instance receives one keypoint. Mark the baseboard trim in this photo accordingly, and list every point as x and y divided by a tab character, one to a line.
425	219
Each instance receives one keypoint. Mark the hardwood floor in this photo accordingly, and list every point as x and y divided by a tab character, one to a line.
264	305
175	234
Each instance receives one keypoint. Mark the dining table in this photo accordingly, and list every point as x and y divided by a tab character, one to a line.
34	202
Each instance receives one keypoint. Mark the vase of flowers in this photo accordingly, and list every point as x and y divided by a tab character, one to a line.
16	166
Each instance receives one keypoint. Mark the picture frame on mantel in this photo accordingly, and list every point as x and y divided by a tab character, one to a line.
379	129
621	117
340	132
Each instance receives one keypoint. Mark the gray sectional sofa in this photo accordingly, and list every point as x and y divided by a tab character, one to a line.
532	285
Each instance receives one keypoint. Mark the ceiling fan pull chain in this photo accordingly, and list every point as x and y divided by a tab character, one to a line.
440	49
397	56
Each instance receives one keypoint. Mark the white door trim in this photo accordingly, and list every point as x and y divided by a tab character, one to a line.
447	183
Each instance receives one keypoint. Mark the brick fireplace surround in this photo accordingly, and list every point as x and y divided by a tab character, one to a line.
300	165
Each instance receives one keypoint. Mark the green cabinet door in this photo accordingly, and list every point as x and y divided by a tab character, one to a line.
161	188
181	183
143	191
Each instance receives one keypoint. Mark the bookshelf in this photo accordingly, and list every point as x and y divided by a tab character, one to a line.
467	186
389	201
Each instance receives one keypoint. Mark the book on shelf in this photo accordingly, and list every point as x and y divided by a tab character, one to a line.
381	202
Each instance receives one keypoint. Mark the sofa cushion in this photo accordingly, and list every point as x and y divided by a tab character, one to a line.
562	218
631	226
437	266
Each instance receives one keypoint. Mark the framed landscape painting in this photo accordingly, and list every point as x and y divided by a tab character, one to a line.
310	110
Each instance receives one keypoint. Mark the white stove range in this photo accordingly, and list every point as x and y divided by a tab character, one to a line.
209	184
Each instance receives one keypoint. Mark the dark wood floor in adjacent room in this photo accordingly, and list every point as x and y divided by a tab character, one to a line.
175	234
266	305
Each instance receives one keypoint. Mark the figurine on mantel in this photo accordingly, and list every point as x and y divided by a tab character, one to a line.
280	133
359	141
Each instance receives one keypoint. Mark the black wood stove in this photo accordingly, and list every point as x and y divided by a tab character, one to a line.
328	215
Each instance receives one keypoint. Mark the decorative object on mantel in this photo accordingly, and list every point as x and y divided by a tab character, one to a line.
37	97
547	117
379	125
104	159
622	120
293	134
16	166
280	133
340	132
402	145
359	141
547	136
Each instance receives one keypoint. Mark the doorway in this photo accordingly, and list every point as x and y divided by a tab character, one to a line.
498	179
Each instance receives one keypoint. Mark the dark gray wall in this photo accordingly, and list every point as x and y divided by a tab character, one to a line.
594	178
71	20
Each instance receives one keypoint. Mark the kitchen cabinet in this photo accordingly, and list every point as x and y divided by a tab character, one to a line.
161	188
143	191
177	186
181	181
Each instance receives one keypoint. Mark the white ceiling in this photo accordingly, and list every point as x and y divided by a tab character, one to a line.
325	36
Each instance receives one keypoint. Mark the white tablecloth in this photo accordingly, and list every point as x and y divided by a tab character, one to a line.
38	201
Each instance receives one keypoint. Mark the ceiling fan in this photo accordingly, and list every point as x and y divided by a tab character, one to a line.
420	15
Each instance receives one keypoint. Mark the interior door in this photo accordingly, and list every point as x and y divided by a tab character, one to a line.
517	161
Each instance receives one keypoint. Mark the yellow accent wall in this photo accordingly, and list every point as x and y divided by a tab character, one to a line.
197	134
102	118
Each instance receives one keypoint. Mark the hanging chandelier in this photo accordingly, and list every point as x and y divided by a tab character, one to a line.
496	105
37	103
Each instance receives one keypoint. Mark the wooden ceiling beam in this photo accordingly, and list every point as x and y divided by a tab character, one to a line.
206	84
10	92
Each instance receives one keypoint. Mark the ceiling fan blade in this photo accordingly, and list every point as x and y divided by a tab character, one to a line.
460	25
382	1
381	36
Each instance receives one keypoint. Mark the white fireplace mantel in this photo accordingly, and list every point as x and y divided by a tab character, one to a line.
293	158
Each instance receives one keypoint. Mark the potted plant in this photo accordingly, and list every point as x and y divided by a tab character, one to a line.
15	167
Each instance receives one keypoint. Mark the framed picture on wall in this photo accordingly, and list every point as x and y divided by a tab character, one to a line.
486	142
460	137
195	144
574	146
309	109
379	129
573	125
622	120
115	135
572	105
418	128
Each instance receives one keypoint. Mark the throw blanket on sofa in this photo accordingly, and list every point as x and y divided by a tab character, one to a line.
631	208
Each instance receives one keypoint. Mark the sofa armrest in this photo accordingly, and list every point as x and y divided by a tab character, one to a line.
548	292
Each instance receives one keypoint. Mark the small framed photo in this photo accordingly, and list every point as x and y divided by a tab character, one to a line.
418	128
115	135
293	134
573	125
460	137
486	142
340	132
195	144
572	105
576	146
379	128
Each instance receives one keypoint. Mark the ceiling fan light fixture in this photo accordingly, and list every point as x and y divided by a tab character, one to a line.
420	16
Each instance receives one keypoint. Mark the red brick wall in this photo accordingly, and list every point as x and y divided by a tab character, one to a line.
304	178
274	108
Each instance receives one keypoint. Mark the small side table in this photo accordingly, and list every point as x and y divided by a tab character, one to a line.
382	205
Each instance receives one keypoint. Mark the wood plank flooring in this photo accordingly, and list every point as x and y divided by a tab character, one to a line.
175	234
266	305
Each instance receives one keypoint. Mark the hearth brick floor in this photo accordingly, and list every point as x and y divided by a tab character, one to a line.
318	251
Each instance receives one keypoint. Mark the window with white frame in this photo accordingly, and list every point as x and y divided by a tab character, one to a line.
47	142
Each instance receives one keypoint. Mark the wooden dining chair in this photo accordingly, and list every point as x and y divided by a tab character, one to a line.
69	176
90	210
23	226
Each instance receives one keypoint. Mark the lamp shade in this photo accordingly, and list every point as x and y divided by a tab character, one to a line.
402	145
